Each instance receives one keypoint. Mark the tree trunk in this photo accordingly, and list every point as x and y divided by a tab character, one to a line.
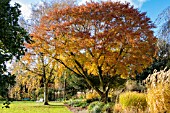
46	94
64	93
104	97
44	80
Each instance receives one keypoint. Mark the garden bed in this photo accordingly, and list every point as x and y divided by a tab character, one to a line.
76	109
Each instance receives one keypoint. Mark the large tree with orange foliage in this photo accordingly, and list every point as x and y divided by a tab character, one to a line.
105	39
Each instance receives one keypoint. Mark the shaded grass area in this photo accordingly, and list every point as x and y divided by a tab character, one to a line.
33	107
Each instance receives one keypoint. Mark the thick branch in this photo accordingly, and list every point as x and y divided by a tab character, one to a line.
101	78
60	61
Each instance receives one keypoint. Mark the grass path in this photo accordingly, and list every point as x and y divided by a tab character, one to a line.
33	107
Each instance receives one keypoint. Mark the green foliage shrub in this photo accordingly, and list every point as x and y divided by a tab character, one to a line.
133	100
108	108
90	107
78	103
1	98
96	107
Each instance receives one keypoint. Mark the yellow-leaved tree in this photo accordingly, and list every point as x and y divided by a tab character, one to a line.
32	72
38	66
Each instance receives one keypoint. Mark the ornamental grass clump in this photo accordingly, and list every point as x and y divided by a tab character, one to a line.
133	100
158	92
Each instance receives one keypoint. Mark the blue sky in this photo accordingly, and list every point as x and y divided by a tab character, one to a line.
152	7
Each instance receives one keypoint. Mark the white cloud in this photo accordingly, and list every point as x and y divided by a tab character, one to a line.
136	3
25	7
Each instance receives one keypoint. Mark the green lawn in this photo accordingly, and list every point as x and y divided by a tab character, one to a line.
33	107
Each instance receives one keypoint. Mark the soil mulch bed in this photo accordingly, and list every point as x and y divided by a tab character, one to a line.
76	109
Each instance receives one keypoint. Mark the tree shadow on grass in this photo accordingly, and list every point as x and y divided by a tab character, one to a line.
49	106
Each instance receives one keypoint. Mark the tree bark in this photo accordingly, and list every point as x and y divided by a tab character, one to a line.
46	94
44	80
104	97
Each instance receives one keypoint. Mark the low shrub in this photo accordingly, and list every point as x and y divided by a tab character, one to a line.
66	102
108	108
133	100
96	107
90	107
2	99
84	104
78	103
71	102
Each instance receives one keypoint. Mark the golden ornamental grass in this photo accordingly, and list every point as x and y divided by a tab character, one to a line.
133	100
158	91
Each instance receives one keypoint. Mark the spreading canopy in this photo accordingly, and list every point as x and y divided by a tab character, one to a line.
98	39
113	36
